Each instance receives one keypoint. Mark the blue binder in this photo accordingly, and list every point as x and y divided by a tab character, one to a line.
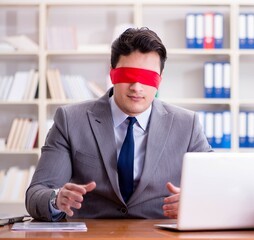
190	30
218	30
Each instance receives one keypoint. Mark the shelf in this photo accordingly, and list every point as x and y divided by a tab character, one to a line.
197	101
199	51
20	152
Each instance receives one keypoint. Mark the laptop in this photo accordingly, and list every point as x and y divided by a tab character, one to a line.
217	192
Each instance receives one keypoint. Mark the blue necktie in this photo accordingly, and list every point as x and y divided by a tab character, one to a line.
126	162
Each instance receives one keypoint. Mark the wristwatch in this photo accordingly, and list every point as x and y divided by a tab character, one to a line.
53	197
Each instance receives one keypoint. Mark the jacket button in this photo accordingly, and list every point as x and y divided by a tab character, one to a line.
124	210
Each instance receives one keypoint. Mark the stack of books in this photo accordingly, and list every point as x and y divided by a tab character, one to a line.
14	182
23	134
22	86
64	87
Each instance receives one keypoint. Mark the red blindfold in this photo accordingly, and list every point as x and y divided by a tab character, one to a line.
133	75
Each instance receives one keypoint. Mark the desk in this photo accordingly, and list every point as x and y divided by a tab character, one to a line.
126	230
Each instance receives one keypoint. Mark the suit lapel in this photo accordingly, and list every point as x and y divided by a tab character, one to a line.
102	125
161	122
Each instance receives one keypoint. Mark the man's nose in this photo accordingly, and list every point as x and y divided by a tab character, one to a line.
137	86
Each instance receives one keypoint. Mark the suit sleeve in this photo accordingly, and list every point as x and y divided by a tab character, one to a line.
53	171
198	141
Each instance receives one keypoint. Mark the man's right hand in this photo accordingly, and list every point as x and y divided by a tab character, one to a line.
71	196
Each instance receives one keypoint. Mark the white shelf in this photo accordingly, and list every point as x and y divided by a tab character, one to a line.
21	152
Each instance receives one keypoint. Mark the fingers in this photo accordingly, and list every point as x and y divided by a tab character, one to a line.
172	188
90	186
170	208
71	196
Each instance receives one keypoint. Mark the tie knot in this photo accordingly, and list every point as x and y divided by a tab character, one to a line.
132	120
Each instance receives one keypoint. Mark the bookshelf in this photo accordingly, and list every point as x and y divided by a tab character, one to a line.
93	24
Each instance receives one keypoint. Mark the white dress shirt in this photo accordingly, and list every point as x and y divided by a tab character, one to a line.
140	133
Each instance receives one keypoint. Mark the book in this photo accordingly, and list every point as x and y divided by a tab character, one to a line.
7	87
6	47
51	83
17	186
34	86
30	77
12	133
18	88
33	134
8	183
23	134
58	84
21	43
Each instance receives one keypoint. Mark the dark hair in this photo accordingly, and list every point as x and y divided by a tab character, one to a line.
137	39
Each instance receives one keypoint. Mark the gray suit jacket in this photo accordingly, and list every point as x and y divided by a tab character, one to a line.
80	147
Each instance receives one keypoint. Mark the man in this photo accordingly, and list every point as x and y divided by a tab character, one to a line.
88	170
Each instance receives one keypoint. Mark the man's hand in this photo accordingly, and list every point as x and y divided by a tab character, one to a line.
170	208
71	196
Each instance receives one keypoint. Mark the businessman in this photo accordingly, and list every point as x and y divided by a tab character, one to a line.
119	156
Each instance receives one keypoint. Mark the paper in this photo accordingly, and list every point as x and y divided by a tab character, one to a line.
50	226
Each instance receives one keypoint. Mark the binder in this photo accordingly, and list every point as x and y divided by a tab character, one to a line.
218	130
226	139
209	127
250	30
243	129
218	79
199	33
208	80
218	30
242	31
250	129
209	30
226	80
190	30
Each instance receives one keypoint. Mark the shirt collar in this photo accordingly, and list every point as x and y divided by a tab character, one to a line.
119	116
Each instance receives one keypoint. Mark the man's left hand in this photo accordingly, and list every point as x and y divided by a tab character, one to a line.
171	203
